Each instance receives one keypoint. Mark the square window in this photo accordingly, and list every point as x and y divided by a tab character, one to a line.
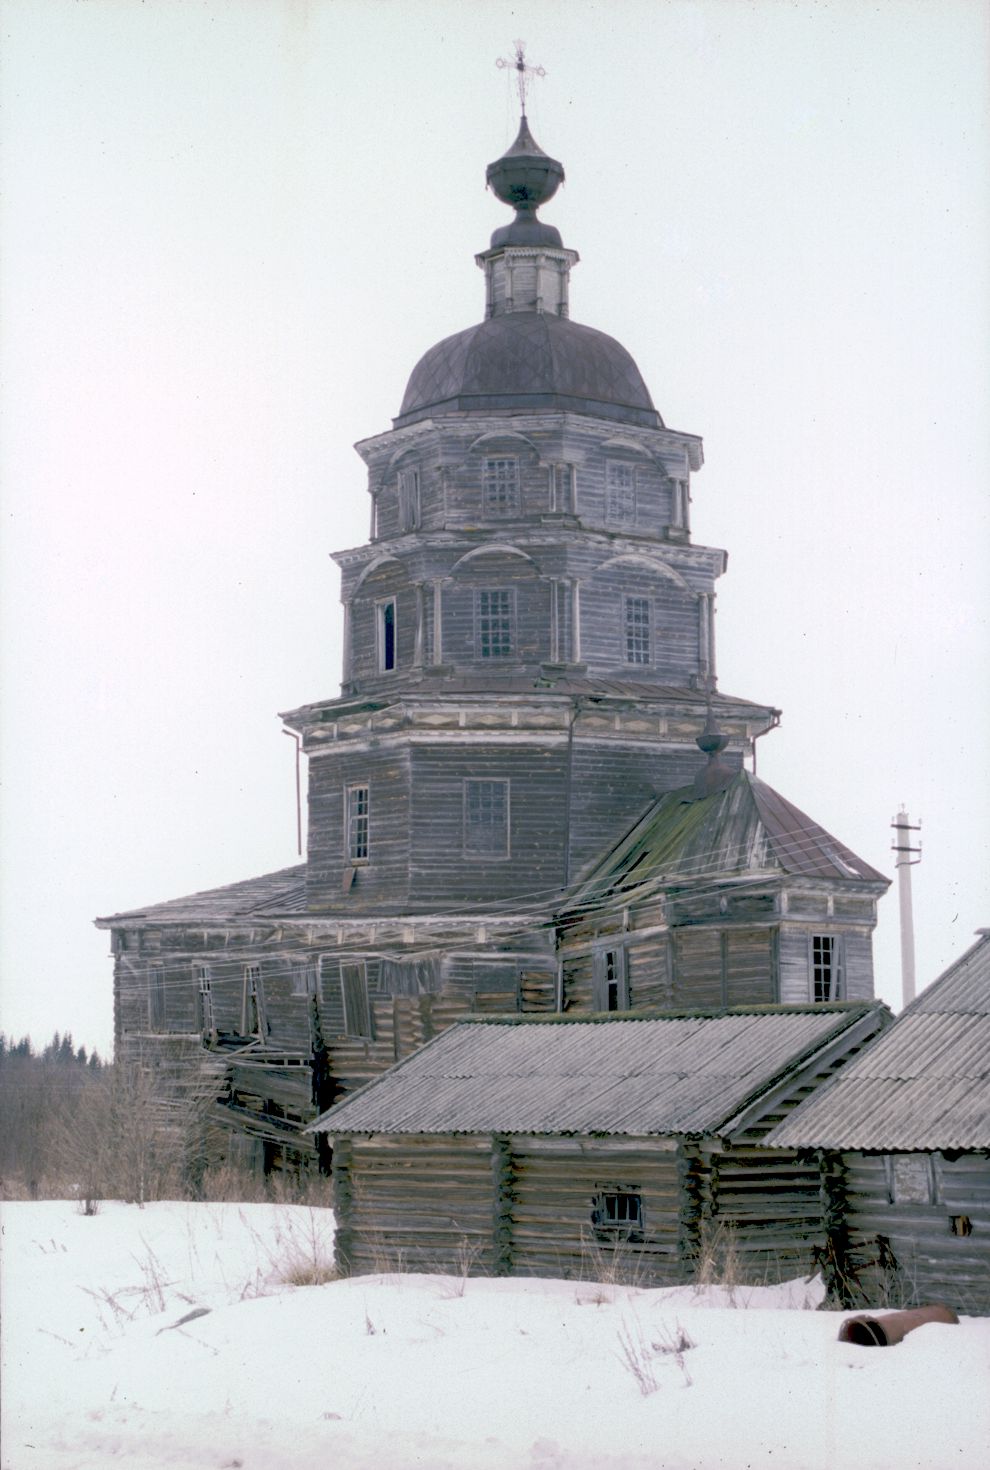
637	630
617	1216
486	819
500	482
620	492
357	823
495	624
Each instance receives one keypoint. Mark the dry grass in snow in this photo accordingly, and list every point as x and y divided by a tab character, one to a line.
171	1336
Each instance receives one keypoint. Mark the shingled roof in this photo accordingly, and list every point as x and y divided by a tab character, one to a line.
680	1074
745	828
924	1085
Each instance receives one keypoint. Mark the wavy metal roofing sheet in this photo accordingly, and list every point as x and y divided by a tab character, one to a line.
678	1074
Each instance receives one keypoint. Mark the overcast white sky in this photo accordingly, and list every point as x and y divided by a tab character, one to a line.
231	229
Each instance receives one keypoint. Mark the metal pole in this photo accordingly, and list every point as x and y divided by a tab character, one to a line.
904	862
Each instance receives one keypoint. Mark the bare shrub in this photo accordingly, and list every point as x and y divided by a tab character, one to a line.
717	1259
640	1357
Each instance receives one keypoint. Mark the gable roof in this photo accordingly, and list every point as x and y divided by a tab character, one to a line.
925	1084
747	827
689	1073
271	894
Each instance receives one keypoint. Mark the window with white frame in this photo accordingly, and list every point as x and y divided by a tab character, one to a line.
409	507
637	630
620	492
357	823
494	623
486	819
826	968
354	993
500	486
386	635
204	997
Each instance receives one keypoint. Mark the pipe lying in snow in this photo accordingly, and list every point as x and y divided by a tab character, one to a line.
892	1327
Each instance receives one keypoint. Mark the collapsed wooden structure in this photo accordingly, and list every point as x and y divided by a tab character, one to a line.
904	1140
567	1147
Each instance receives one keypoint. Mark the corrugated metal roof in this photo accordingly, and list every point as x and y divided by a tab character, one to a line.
745	828
281	892
681	1074
925	1084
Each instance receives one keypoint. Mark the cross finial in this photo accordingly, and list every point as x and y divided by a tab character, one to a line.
524	72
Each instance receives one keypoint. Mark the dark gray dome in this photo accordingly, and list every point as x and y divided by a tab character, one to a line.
528	361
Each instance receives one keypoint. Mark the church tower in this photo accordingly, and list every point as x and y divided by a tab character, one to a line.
530	793
529	633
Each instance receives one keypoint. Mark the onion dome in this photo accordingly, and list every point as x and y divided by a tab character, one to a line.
525	177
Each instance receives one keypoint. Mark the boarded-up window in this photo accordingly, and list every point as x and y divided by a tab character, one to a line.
620	492
357	823
156	997
252	1003
486	819
826	968
697	967
409	512
637	630
204	997
354	993
910	1179
494	623
501	486
609	975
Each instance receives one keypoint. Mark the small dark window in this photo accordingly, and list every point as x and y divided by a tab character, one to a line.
357	823
826	969
386	636
637	630
354	989
501	487
960	1225
495	624
617	1215
156	997
251	1011
486	819
204	997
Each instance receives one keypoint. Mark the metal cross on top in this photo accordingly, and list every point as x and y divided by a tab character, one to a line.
523	69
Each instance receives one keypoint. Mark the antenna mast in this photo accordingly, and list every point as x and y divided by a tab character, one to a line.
904	862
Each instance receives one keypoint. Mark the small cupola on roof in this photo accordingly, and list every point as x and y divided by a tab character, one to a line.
527	356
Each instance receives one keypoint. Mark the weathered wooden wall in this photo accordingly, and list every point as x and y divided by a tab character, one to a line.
906	1252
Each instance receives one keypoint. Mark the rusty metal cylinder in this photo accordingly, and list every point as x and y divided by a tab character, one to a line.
892	1327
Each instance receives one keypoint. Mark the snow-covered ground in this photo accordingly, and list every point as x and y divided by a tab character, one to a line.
433	1372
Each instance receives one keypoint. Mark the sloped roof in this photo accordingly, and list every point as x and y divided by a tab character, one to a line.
746	827
666	1074
283	892
924	1085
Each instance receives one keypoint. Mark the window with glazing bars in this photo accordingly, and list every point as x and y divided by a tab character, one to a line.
826	969
617	1214
495	624
486	818
637	630
204	997
501	486
357	823
620	491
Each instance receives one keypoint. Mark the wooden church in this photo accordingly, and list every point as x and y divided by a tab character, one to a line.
530	795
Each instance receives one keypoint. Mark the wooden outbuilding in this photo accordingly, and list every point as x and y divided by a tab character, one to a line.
904	1135
567	1147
